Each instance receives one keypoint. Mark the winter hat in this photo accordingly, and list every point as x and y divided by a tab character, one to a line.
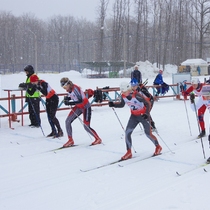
206	90
34	78
136	66
160	71
29	69
134	82
195	81
125	86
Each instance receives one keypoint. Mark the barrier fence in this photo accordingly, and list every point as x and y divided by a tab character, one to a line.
108	94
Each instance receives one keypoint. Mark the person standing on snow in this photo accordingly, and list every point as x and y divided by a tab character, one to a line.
163	87
136	74
143	91
140	113
52	101
204	100
199	70
33	100
196	87
81	104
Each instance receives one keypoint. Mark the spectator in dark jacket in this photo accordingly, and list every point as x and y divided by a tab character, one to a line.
33	100
136	74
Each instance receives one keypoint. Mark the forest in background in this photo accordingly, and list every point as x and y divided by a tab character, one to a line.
160	31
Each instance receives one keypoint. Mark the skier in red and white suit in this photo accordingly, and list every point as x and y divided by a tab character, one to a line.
81	104
140	108
204	100
196	87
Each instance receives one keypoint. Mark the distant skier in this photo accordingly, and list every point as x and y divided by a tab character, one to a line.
204	100
77	98
140	113
196	87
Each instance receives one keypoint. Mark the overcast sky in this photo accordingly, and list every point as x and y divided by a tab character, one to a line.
44	9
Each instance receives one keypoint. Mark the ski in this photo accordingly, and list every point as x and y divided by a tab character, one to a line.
193	169
60	148
138	160
118	161
101	166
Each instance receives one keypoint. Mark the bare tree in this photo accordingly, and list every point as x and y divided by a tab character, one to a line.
101	20
201	18
161	31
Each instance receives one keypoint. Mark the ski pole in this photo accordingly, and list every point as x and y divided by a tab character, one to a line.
83	123
51	123
118	118
187	117
140	126
199	129
36	115
121	125
164	142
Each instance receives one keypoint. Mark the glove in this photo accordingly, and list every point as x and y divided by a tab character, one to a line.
111	104
145	116
29	85
23	86
192	98
38	86
67	98
68	103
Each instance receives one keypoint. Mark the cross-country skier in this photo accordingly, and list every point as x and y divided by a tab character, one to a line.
140	113
52	101
196	87
143	90
81	104
204	100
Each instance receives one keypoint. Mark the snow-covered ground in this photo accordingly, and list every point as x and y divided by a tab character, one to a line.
32	177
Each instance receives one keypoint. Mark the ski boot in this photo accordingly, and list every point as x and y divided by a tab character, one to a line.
128	155
202	134
158	150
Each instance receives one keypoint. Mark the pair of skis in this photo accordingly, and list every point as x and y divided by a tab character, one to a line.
119	163
194	168
132	160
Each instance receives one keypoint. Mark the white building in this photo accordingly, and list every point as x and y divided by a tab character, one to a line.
195	64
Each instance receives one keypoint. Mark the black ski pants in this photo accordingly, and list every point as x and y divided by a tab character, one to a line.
51	109
34	110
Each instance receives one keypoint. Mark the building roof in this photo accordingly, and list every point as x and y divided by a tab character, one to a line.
108	63
195	62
